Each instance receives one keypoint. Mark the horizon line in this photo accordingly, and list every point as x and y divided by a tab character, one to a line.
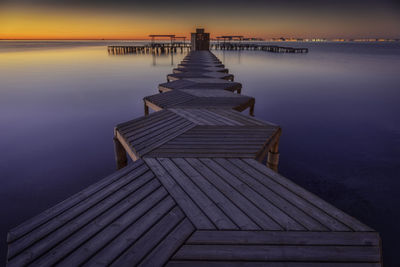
278	39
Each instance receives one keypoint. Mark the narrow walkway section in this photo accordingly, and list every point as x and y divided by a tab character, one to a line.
199	98
195	194
201	83
194	212
196	133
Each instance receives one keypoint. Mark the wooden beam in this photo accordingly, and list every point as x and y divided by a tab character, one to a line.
120	154
273	154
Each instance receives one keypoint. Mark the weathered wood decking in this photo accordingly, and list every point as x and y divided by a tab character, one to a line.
199	98
201	83
197	133
195	194
199	74
200	69
194	212
201	64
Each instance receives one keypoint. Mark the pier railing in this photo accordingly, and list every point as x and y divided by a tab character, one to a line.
260	47
156	48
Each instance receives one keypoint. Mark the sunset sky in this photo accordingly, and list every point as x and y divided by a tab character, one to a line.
123	19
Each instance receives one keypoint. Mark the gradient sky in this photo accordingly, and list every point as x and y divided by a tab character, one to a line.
123	19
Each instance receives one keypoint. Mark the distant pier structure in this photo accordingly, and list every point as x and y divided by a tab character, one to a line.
200	40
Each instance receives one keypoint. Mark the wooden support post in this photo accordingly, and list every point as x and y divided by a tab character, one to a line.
251	111
273	156
146	109
120	154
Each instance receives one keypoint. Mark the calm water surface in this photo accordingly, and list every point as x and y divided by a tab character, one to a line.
338	107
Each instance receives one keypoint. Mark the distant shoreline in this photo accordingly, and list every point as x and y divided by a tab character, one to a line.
315	40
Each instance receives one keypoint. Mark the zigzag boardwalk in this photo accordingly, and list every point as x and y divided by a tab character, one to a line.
196	194
192	98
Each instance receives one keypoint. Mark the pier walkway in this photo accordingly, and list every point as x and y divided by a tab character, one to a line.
259	47
196	193
200	83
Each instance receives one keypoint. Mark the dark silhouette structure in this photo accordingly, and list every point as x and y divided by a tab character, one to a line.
200	40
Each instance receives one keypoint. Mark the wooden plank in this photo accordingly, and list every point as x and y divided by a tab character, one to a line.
223	119
45	245
132	152
239	138
201	147
230	209
210	141
180	99
235	196
131	234
213	93
328	208
142	131
242	148
165	137
146	121
229	129
218	130
186	69
208	120
80	245
103	198
191	117
138	250
206	150
217	102
220	220
308	208
167	247
284	238
279	253
247	120
151	105
291	211
121	159
183	65
192	211
214	75
122	126
151	133
208	263
169	98
54	211
186	154
262	203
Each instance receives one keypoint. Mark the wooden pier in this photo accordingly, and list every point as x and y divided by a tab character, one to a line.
200	69
195	192
201	83
154	48
199	98
259	47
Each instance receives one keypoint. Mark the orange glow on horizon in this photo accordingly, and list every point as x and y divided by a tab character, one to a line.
42	23
49	24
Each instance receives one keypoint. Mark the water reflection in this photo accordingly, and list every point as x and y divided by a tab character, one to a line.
153	49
